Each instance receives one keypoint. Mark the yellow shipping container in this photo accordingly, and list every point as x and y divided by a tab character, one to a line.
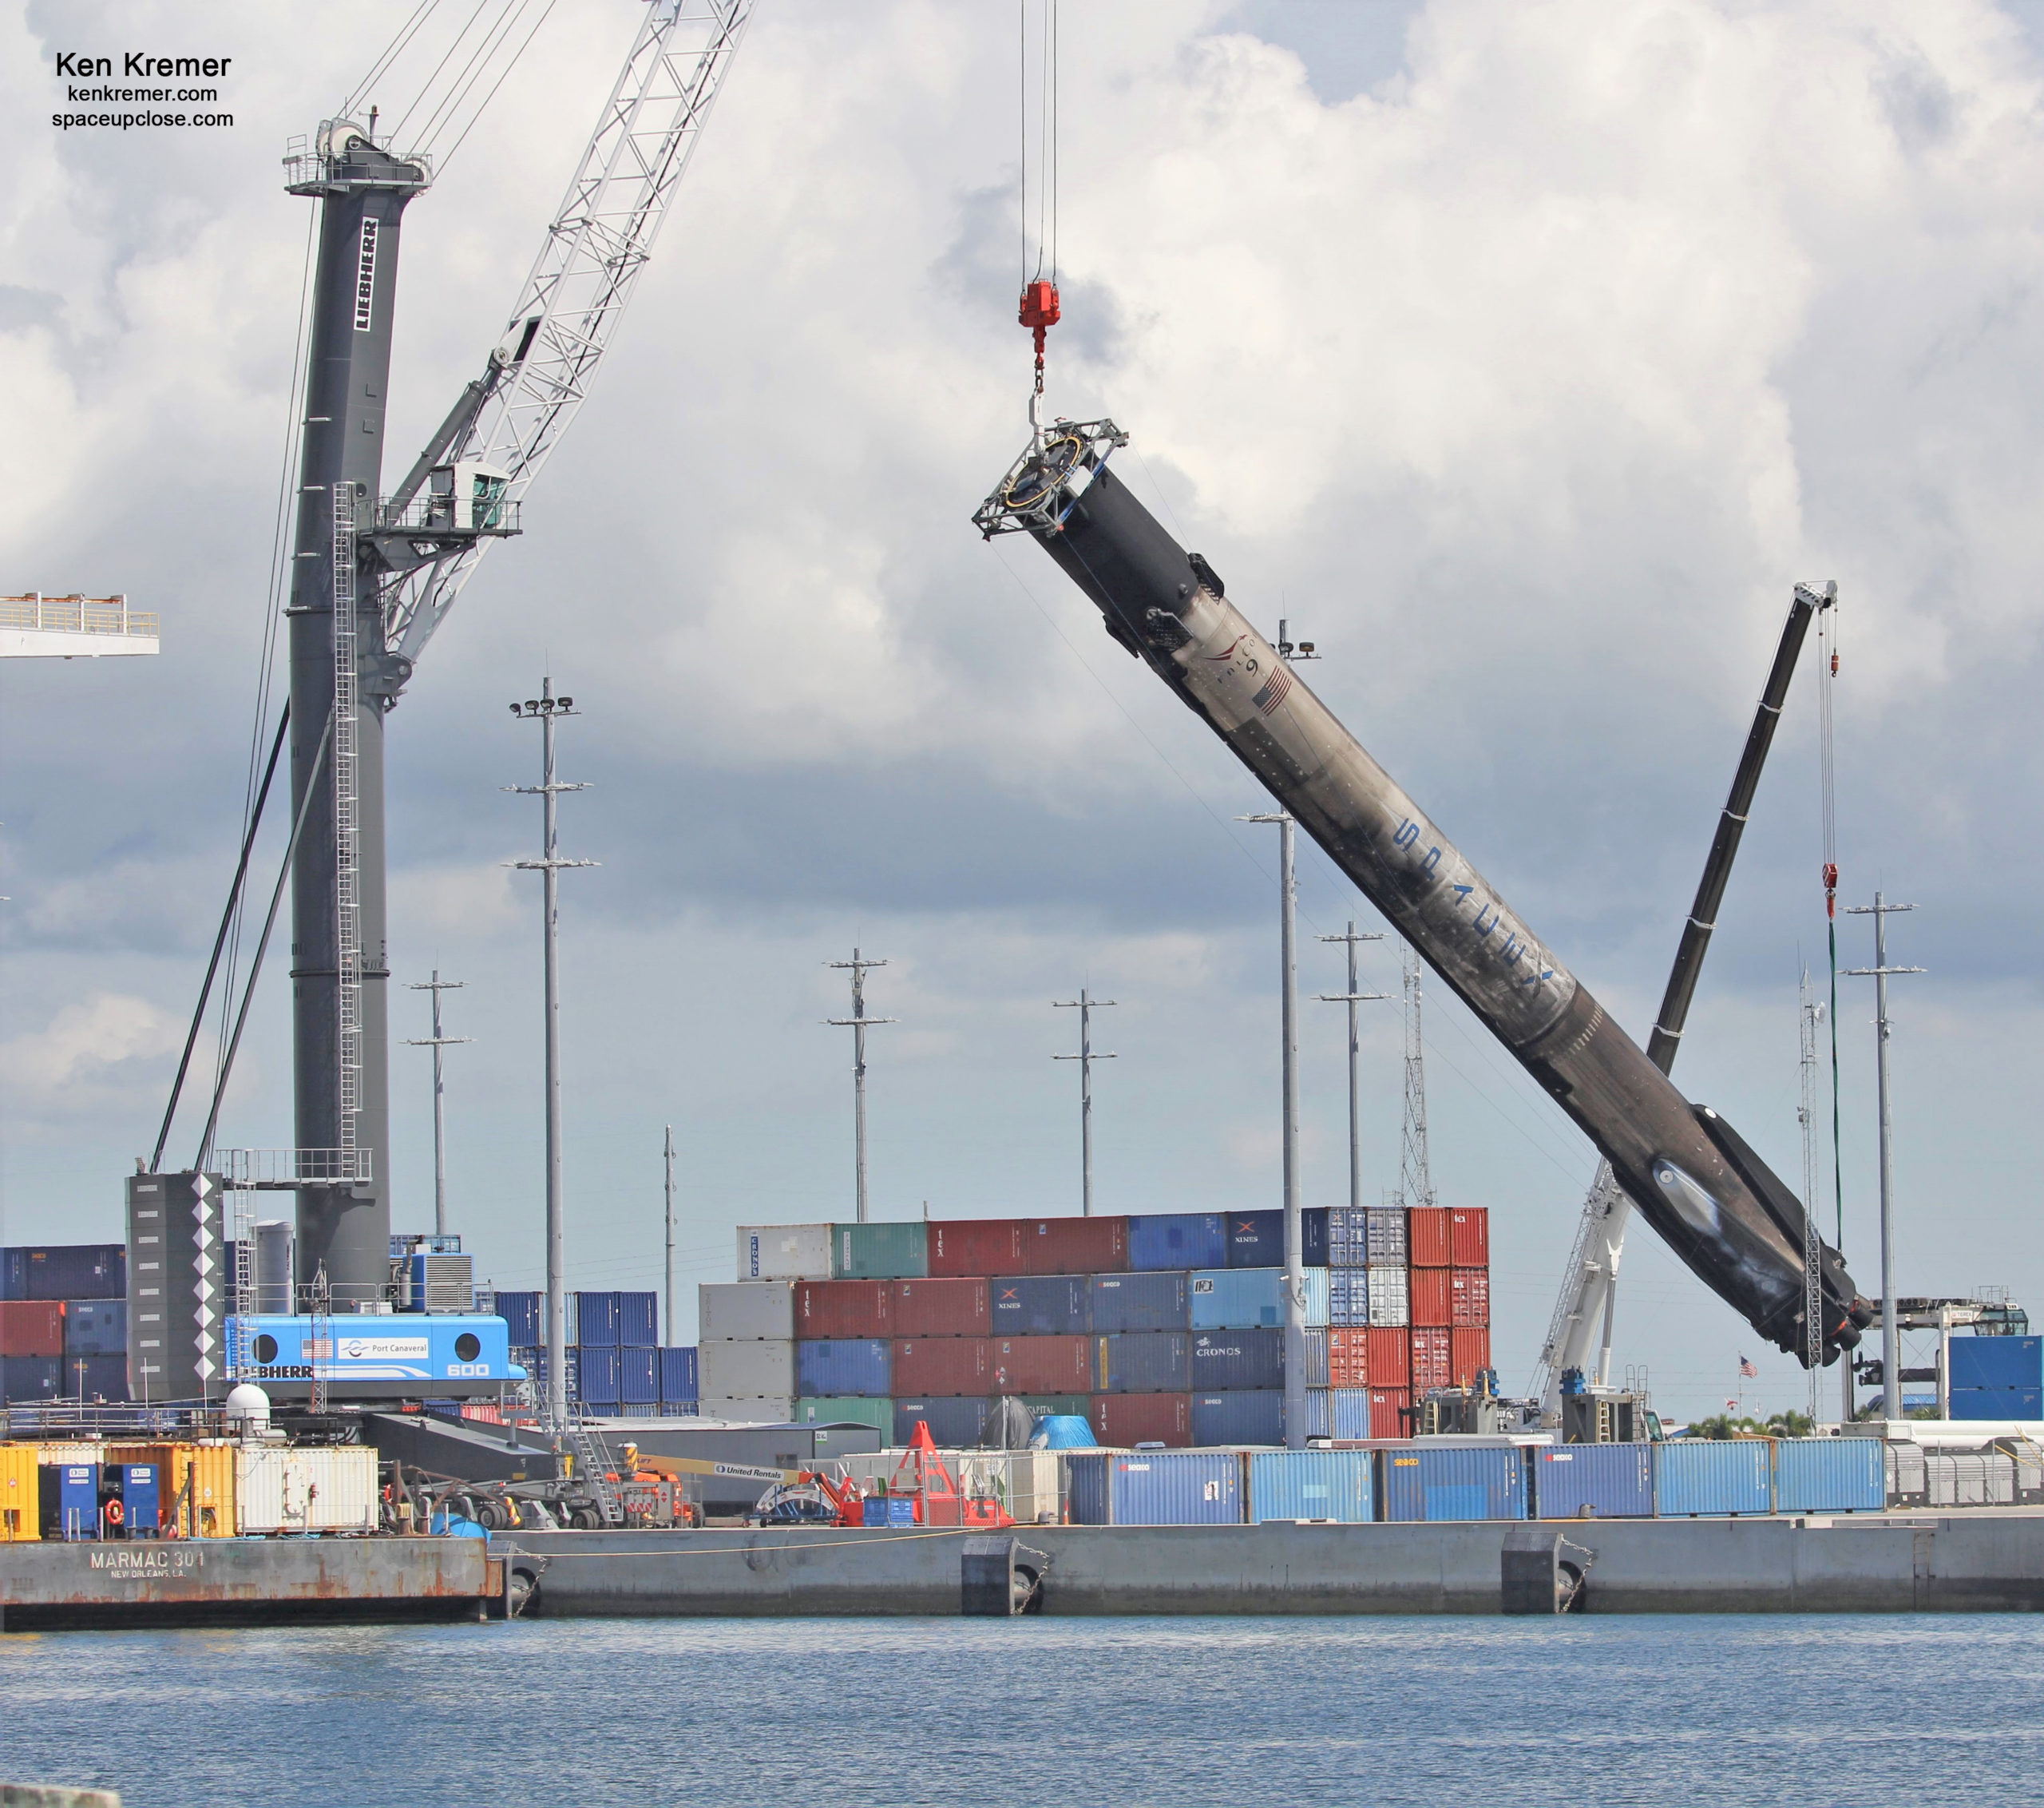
21	1495
201	1487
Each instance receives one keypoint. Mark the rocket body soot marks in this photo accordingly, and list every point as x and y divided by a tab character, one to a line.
1691	1175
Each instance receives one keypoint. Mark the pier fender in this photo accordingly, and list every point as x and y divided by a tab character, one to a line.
1541	1573
999	1577
762	1560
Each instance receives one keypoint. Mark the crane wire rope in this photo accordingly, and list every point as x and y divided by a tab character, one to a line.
448	157
1827	672
391	52
425	87
445	115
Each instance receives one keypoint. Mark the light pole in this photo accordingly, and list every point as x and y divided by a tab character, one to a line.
436	1042
1295	1273
669	1320
545	708
858	1023
1880	910
1085	1005
1351	998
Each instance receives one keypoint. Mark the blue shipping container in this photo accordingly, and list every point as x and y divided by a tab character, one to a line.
1158	1301
1336	1484
1177	1239
1830	1475
14	1273
1348	1412
954	1423
1697	1475
1997	1363
597	1366
1256	1239
1246	1418
677	1382
94	1377
595	1319
1155	1488
1242	1298
95	1327
1144	1362
639	1320
1347	1297
1483	1481
1237	1362
141	1499
844	1365
522	1314
1592	1480
639	1378
29	1378
1316	1370
1039	1305
2005	1403
74	1271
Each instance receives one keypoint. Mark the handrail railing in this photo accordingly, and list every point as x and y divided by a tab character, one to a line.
75	615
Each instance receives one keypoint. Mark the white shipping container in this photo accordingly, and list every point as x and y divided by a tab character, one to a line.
772	1410
1390	1300
309	1490
784	1252
738	1369
745	1309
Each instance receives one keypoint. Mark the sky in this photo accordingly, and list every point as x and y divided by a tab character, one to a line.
1522	354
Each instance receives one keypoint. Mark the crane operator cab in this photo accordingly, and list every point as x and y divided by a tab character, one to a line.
467	496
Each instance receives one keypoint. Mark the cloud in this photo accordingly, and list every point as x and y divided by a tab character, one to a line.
109	1044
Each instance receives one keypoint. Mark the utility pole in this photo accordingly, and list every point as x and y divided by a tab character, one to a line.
858	1023
669	1320
436	1042
1295	1273
545	709
1085	1005
1351	998
1415	1178
1880	910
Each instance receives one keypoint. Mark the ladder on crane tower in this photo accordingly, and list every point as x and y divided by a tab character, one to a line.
347	895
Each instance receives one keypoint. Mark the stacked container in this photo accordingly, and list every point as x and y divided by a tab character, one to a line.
64	1321
745	1351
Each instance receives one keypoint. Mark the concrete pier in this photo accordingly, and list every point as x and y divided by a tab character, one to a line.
1984	1560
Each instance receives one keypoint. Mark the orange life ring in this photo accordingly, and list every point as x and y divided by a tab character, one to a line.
114	1513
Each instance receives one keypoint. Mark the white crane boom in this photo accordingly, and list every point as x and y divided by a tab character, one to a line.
599	240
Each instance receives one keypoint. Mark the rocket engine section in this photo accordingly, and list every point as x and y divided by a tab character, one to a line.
1707	1194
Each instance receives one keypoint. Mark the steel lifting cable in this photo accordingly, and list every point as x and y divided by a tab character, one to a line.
427	87
1827	671
391	52
517	57
443	116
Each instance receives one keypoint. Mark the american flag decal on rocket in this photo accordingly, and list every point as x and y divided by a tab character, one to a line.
1274	692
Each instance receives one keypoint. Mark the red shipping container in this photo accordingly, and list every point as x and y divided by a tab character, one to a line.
956	1366
1469	1298
954	1306
1390	1408
1426	1233
1121	1421
1075	1245
1348	1357
31	1327
1469	1350
1042	1365
976	1246
843	1309
1431	1301
1469	1238
1431	1365
1391	1356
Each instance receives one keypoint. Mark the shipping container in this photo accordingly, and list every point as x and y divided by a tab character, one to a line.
1594	1481
1143	1362
1348	1357
976	1247
1390	1246
313	1488
1313	1236
1348	1411
95	1327
783	1252
1695	1476
1255	1416
845	1309
1469	1298
1829	1475
1075	1245
848	1410
1125	1420
597	1367
1316	1360
1155	1488
25	1379
571	1311
32	1327
1348	1296
678	1380
14	1273
1432	1365
60	1271
94	1377
1390	1357
960	1366
21	1497
1042	1365
736	1368
1390	1300
1996	1363
955	1422
638	1321
748	1409
1256	1239
1059	1406
1469	1355
1028	1483
1039	1305
1235	1361
68	1496
1427	1239
638	1376
1486	1481
852	1366
1159	1300
1243	1298
2003	1403
1431	1296
522	1313
1469	1238
202	1496
596	1317
865	1252
1328	1485
1177	1239
1348	1237
947	1307
746	1310
1391	1412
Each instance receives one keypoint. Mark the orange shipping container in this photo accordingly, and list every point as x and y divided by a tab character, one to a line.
1390	1410
1469	1238
1468	1351
1391	1356
1349	1356
1432	1304
1469	1298
1427	1233
1430	1359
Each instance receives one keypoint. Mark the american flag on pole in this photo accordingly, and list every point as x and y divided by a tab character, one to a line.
1747	1371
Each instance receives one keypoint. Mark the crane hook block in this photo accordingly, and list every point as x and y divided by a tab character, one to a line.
1039	311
